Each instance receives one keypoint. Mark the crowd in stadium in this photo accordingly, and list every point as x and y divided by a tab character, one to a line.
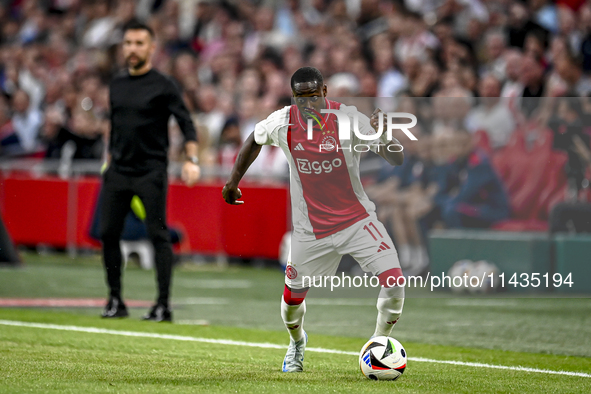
233	60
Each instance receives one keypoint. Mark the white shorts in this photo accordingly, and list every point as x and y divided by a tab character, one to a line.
367	241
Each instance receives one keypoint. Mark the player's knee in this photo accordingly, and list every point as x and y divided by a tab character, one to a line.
294	296
391	300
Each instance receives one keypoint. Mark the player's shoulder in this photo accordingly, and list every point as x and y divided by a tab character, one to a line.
331	104
280	113
279	117
164	78
161	75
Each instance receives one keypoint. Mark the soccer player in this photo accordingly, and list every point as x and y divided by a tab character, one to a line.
332	215
142	101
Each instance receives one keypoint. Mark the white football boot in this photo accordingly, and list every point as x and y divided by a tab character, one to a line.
294	358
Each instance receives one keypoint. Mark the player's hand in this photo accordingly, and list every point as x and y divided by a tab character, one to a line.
190	173
375	118
231	194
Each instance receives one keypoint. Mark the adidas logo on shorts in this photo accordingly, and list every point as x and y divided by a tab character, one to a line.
383	246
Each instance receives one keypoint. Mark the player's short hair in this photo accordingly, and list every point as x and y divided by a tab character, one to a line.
306	74
134	24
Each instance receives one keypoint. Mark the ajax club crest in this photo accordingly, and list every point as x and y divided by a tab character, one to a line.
328	143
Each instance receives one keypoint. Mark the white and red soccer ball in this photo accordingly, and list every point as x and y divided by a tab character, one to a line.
382	358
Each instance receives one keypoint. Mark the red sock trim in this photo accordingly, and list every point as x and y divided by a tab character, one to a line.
294	296
393	275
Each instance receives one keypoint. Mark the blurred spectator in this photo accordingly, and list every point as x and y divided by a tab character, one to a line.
26	121
209	114
229	144
472	195
9	142
56	135
545	14
493	114
495	62
519	24
532	79
569	68
100	28
263	35
512	87
450	107
568	29
567	125
390	80
575	216
415	40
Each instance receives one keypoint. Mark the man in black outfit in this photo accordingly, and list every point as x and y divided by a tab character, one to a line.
142	100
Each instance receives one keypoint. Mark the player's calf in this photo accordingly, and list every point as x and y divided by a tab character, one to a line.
293	309
390	302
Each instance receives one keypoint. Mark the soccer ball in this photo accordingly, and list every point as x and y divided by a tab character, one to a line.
490	272
382	358
460	268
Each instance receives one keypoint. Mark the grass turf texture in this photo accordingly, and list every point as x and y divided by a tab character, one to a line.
46	360
502	331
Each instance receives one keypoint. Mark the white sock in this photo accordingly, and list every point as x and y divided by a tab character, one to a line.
390	304
293	318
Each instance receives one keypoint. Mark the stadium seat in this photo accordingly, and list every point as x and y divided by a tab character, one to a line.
554	191
524	201
509	160
534	176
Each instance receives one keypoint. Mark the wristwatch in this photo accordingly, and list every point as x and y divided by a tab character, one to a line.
193	159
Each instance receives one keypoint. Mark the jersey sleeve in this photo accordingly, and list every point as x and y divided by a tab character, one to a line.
266	132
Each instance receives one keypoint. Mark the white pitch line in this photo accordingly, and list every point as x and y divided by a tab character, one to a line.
96	330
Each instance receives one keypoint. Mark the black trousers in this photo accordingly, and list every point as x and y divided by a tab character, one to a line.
118	190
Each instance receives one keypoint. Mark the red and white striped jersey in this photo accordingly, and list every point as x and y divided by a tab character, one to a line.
326	191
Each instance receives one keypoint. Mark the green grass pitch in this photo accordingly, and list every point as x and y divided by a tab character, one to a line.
242	304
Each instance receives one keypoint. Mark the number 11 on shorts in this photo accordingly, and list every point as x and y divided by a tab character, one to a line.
370	232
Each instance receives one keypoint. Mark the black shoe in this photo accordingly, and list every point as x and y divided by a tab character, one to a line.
159	313
115	308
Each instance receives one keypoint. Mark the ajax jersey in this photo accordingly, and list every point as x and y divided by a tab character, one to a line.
326	191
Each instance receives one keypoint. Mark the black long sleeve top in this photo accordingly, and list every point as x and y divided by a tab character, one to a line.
140	109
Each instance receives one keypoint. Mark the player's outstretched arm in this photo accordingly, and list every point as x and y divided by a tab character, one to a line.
391	154
248	153
393	151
